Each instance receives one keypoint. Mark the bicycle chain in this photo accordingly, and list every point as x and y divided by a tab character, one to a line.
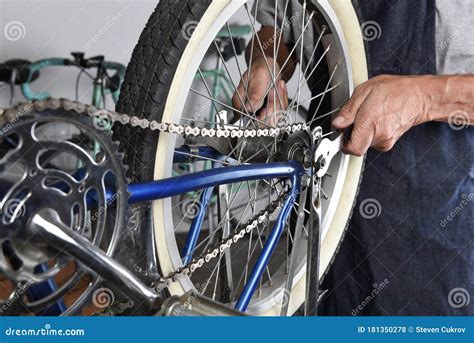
103	119
260	219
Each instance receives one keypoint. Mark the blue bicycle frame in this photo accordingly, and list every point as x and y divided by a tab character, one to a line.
207	180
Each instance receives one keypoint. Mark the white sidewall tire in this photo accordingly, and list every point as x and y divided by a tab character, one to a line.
174	104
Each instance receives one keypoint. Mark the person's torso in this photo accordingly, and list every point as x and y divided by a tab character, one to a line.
423	239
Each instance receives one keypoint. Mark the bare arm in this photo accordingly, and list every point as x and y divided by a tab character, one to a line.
256	81
269	41
452	95
382	109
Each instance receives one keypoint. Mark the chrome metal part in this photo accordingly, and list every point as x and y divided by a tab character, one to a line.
35	173
194	304
45	227
83	250
325	152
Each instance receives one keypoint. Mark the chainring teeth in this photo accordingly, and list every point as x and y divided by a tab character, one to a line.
92	119
23	121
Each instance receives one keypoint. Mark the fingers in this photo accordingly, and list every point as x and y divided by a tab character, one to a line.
253	88
275	104
385	145
370	131
362	134
257	90
380	112
239	94
250	94
361	138
347	114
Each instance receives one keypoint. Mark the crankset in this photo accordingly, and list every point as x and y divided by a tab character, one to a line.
64	202
48	161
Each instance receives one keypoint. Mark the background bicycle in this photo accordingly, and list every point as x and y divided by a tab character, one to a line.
106	81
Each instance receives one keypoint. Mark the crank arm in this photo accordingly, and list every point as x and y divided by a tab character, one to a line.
48	229
325	152
194	304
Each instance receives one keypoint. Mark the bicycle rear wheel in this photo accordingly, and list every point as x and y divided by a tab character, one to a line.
160	85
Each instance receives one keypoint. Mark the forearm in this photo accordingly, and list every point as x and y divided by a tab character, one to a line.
385	107
450	95
265	46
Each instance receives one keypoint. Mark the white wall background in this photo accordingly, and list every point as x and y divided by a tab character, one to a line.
37	29
54	28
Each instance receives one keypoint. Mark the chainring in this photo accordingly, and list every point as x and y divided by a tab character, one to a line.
65	161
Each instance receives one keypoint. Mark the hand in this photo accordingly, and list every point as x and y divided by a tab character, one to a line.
382	109
257	81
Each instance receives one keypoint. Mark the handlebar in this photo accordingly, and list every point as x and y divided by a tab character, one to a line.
79	61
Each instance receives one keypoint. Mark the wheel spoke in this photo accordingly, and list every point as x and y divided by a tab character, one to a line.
300	69
238	202
224	64
322	98
272	76
288	59
204	158
307	77
230	107
319	95
203	79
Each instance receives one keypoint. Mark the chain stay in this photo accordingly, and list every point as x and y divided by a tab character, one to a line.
104	119
226	243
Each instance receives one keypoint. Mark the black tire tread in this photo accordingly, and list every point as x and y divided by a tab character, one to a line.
146	87
148	79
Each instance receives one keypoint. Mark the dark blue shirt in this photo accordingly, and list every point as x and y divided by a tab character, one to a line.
415	256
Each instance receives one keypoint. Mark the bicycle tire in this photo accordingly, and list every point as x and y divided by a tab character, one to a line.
150	75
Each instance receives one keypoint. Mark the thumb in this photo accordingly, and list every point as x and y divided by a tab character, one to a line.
347	114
